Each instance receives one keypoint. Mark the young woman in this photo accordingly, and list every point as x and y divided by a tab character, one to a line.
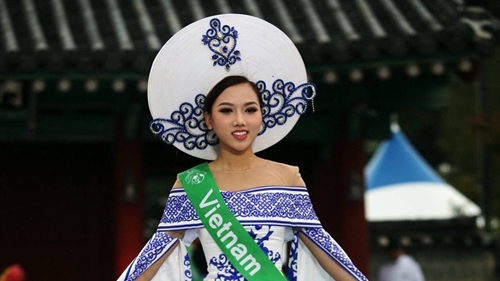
244	210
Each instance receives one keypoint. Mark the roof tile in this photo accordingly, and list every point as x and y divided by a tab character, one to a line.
114	34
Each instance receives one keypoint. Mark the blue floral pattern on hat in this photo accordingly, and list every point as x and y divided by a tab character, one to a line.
187	125
221	40
282	102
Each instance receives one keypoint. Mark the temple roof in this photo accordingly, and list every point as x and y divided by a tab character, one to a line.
112	35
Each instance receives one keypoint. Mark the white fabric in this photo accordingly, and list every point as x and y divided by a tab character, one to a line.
157	246
174	268
308	267
405	268
170	269
417	201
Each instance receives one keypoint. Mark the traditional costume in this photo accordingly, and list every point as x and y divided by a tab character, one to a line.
274	205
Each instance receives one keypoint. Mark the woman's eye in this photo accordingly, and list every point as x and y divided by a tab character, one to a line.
225	110
252	109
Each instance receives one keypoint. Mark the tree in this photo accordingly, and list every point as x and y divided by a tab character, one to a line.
470	137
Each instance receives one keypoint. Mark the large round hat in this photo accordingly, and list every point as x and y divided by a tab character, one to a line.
200	55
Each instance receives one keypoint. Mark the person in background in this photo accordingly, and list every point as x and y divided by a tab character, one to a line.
13	273
402	267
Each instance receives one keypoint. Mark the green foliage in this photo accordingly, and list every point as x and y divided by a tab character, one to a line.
466	128
452	137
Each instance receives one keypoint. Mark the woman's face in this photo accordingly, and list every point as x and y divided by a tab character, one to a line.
236	118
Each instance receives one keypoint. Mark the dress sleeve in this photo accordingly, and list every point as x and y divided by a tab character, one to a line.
172	233
304	266
155	248
322	239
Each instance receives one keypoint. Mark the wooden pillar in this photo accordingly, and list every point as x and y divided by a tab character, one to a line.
338	198
128	202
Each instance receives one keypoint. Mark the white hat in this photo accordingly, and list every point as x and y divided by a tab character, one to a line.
208	50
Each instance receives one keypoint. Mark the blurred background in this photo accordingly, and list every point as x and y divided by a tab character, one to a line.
83	181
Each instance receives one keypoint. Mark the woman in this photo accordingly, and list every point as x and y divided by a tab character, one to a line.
244	209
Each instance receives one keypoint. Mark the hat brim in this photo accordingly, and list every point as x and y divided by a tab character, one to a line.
186	67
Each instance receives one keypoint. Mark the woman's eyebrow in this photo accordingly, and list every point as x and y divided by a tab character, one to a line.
225	104
231	104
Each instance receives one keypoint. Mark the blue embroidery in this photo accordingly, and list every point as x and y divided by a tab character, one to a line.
273	256
187	273
282	103
186	126
286	205
225	269
150	253
221	40
293	258
326	242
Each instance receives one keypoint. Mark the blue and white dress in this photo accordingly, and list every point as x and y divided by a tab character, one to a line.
272	215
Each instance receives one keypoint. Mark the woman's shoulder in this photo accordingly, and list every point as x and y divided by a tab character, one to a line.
282	167
289	174
177	184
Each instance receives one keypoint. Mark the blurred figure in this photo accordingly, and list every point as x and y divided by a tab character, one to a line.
402	267
13	273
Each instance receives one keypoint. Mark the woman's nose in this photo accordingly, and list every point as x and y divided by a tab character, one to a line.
239	119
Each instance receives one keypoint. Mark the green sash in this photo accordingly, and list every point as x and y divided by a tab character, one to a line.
238	246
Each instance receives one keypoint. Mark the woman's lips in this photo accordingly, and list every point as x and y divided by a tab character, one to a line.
240	135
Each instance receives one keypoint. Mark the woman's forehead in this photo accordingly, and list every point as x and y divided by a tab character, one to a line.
240	93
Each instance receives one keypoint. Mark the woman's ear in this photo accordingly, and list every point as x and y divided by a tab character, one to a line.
206	116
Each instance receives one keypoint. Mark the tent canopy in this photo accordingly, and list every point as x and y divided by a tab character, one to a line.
402	186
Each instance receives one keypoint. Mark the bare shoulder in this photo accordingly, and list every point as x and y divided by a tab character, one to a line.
282	167
177	184
289	174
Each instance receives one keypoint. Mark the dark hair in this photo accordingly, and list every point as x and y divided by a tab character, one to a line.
224	84
394	244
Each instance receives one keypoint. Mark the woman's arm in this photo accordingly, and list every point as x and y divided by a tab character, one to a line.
329	265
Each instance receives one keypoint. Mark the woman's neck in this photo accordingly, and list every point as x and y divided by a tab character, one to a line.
234	162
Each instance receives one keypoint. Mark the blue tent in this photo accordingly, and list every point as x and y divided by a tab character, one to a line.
401	185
